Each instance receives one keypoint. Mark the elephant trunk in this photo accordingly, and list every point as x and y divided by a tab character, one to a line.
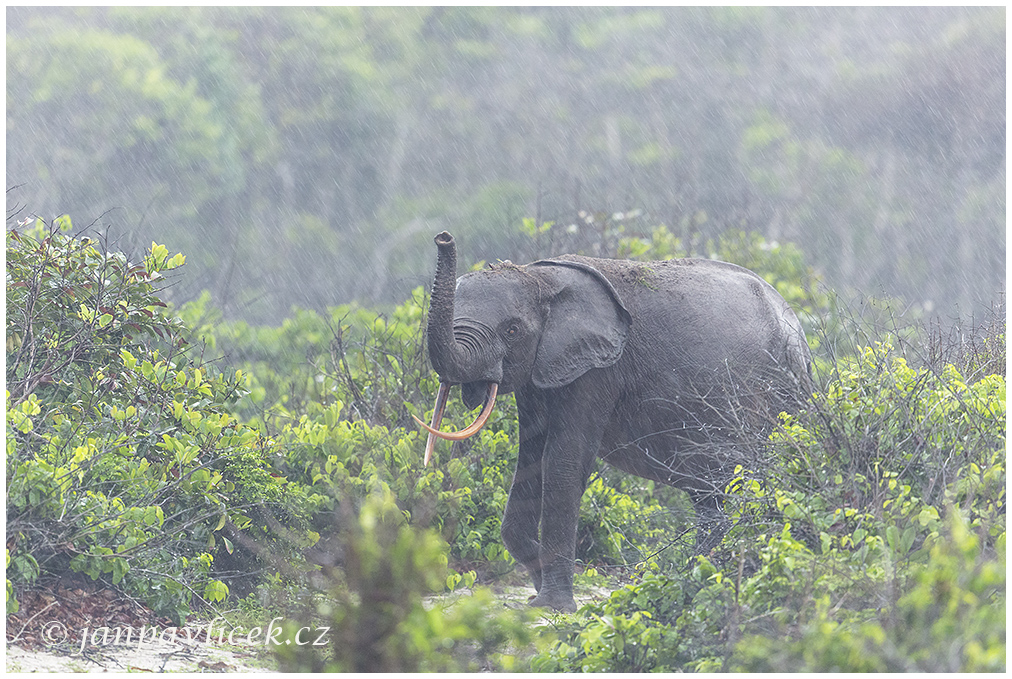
454	362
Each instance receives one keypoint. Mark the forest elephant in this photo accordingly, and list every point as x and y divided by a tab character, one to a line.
660	368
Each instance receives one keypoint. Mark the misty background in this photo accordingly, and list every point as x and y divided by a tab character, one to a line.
307	156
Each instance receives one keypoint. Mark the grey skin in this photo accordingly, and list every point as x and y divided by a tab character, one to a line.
663	369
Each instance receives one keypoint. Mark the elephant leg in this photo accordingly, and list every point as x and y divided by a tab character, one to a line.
523	508
711	521
570	451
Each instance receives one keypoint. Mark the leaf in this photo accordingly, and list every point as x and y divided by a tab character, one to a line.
215	591
907	540
927	515
128	359
120	567
153	516
893	538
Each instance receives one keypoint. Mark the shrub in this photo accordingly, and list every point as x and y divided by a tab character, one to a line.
896	440
661	623
873	539
950	617
372	362
377	614
122	458
625	528
343	461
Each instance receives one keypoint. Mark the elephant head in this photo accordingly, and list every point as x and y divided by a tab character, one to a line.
495	331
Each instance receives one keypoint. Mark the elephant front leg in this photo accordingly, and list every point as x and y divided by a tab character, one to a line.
523	508
568	459
558	543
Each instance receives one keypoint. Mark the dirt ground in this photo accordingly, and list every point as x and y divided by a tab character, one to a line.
55	646
155	657
76	625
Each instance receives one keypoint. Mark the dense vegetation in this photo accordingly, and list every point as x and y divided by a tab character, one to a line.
204	465
339	139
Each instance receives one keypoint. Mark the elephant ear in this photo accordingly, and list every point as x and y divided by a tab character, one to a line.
586	327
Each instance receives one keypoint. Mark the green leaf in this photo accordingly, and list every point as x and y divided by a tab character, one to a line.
893	538
153	516
215	591
907	540
120	567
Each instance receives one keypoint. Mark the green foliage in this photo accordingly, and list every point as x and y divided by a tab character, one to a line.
782	265
949	618
339	139
342	460
617	528
890	431
369	361
874	540
127	111
869	534
658	624
122	458
26	569
378	615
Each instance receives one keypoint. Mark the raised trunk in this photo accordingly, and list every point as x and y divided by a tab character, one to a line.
452	361
455	363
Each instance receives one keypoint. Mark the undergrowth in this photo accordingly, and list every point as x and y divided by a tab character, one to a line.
201	464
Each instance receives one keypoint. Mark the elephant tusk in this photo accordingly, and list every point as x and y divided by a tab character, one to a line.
437	418
468	431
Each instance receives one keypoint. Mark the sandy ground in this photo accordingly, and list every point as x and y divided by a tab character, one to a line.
150	655
182	654
196	657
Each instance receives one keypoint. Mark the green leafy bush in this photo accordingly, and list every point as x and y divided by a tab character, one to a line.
873	540
370	361
897	441
377	614
868	534
622	522
122	458
658	624
342	460
950	617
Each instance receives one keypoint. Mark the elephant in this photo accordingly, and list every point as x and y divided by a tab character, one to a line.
663	369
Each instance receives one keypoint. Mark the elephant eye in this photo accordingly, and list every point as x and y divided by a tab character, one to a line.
512	330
